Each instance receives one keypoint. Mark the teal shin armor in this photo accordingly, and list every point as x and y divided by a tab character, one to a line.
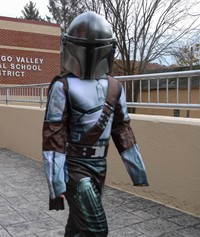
85	203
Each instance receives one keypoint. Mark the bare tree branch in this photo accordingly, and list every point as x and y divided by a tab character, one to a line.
145	30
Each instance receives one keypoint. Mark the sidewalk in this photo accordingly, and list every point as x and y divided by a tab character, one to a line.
24	207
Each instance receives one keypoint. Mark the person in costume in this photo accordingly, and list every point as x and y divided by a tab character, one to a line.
85	108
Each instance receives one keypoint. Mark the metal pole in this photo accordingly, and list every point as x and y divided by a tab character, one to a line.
189	80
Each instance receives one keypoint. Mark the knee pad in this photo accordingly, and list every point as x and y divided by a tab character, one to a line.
86	191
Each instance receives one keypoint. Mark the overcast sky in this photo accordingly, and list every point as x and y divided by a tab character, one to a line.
13	8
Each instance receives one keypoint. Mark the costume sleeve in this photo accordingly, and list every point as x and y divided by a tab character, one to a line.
126	144
54	140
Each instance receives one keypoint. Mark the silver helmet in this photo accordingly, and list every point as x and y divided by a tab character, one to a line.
89	46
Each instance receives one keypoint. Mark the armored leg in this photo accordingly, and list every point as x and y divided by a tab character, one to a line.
71	229
87	215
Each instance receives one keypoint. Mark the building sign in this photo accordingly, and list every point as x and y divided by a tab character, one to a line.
18	66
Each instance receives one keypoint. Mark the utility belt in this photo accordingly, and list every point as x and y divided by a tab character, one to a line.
74	150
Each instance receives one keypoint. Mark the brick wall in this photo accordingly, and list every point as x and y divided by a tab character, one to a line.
29	51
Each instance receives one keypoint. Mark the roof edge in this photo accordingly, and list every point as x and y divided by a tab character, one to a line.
34	22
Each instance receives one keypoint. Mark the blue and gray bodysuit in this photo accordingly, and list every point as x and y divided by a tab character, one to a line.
74	153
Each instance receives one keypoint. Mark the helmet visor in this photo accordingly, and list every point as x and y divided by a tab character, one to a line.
89	62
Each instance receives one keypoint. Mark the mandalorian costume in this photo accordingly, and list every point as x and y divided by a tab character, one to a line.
85	107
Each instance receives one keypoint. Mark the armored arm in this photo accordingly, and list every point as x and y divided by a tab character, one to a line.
54	140
126	144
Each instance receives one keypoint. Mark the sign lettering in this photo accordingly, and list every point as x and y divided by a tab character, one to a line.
18	66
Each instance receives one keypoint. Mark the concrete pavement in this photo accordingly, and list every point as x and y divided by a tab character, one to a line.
24	207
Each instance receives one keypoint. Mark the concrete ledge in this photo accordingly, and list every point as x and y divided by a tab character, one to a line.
165	119
170	149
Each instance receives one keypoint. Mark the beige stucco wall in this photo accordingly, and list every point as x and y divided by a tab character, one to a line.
171	152
170	149
21	129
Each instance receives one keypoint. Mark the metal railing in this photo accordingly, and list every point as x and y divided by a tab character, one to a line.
32	94
171	90
151	91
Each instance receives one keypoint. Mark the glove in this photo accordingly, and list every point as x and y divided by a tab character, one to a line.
56	204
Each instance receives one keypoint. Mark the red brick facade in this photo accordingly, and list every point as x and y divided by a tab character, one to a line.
29	51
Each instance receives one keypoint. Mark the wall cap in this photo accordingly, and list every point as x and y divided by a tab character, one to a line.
165	119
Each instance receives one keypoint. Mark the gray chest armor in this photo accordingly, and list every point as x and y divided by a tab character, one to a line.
87	98
91	109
